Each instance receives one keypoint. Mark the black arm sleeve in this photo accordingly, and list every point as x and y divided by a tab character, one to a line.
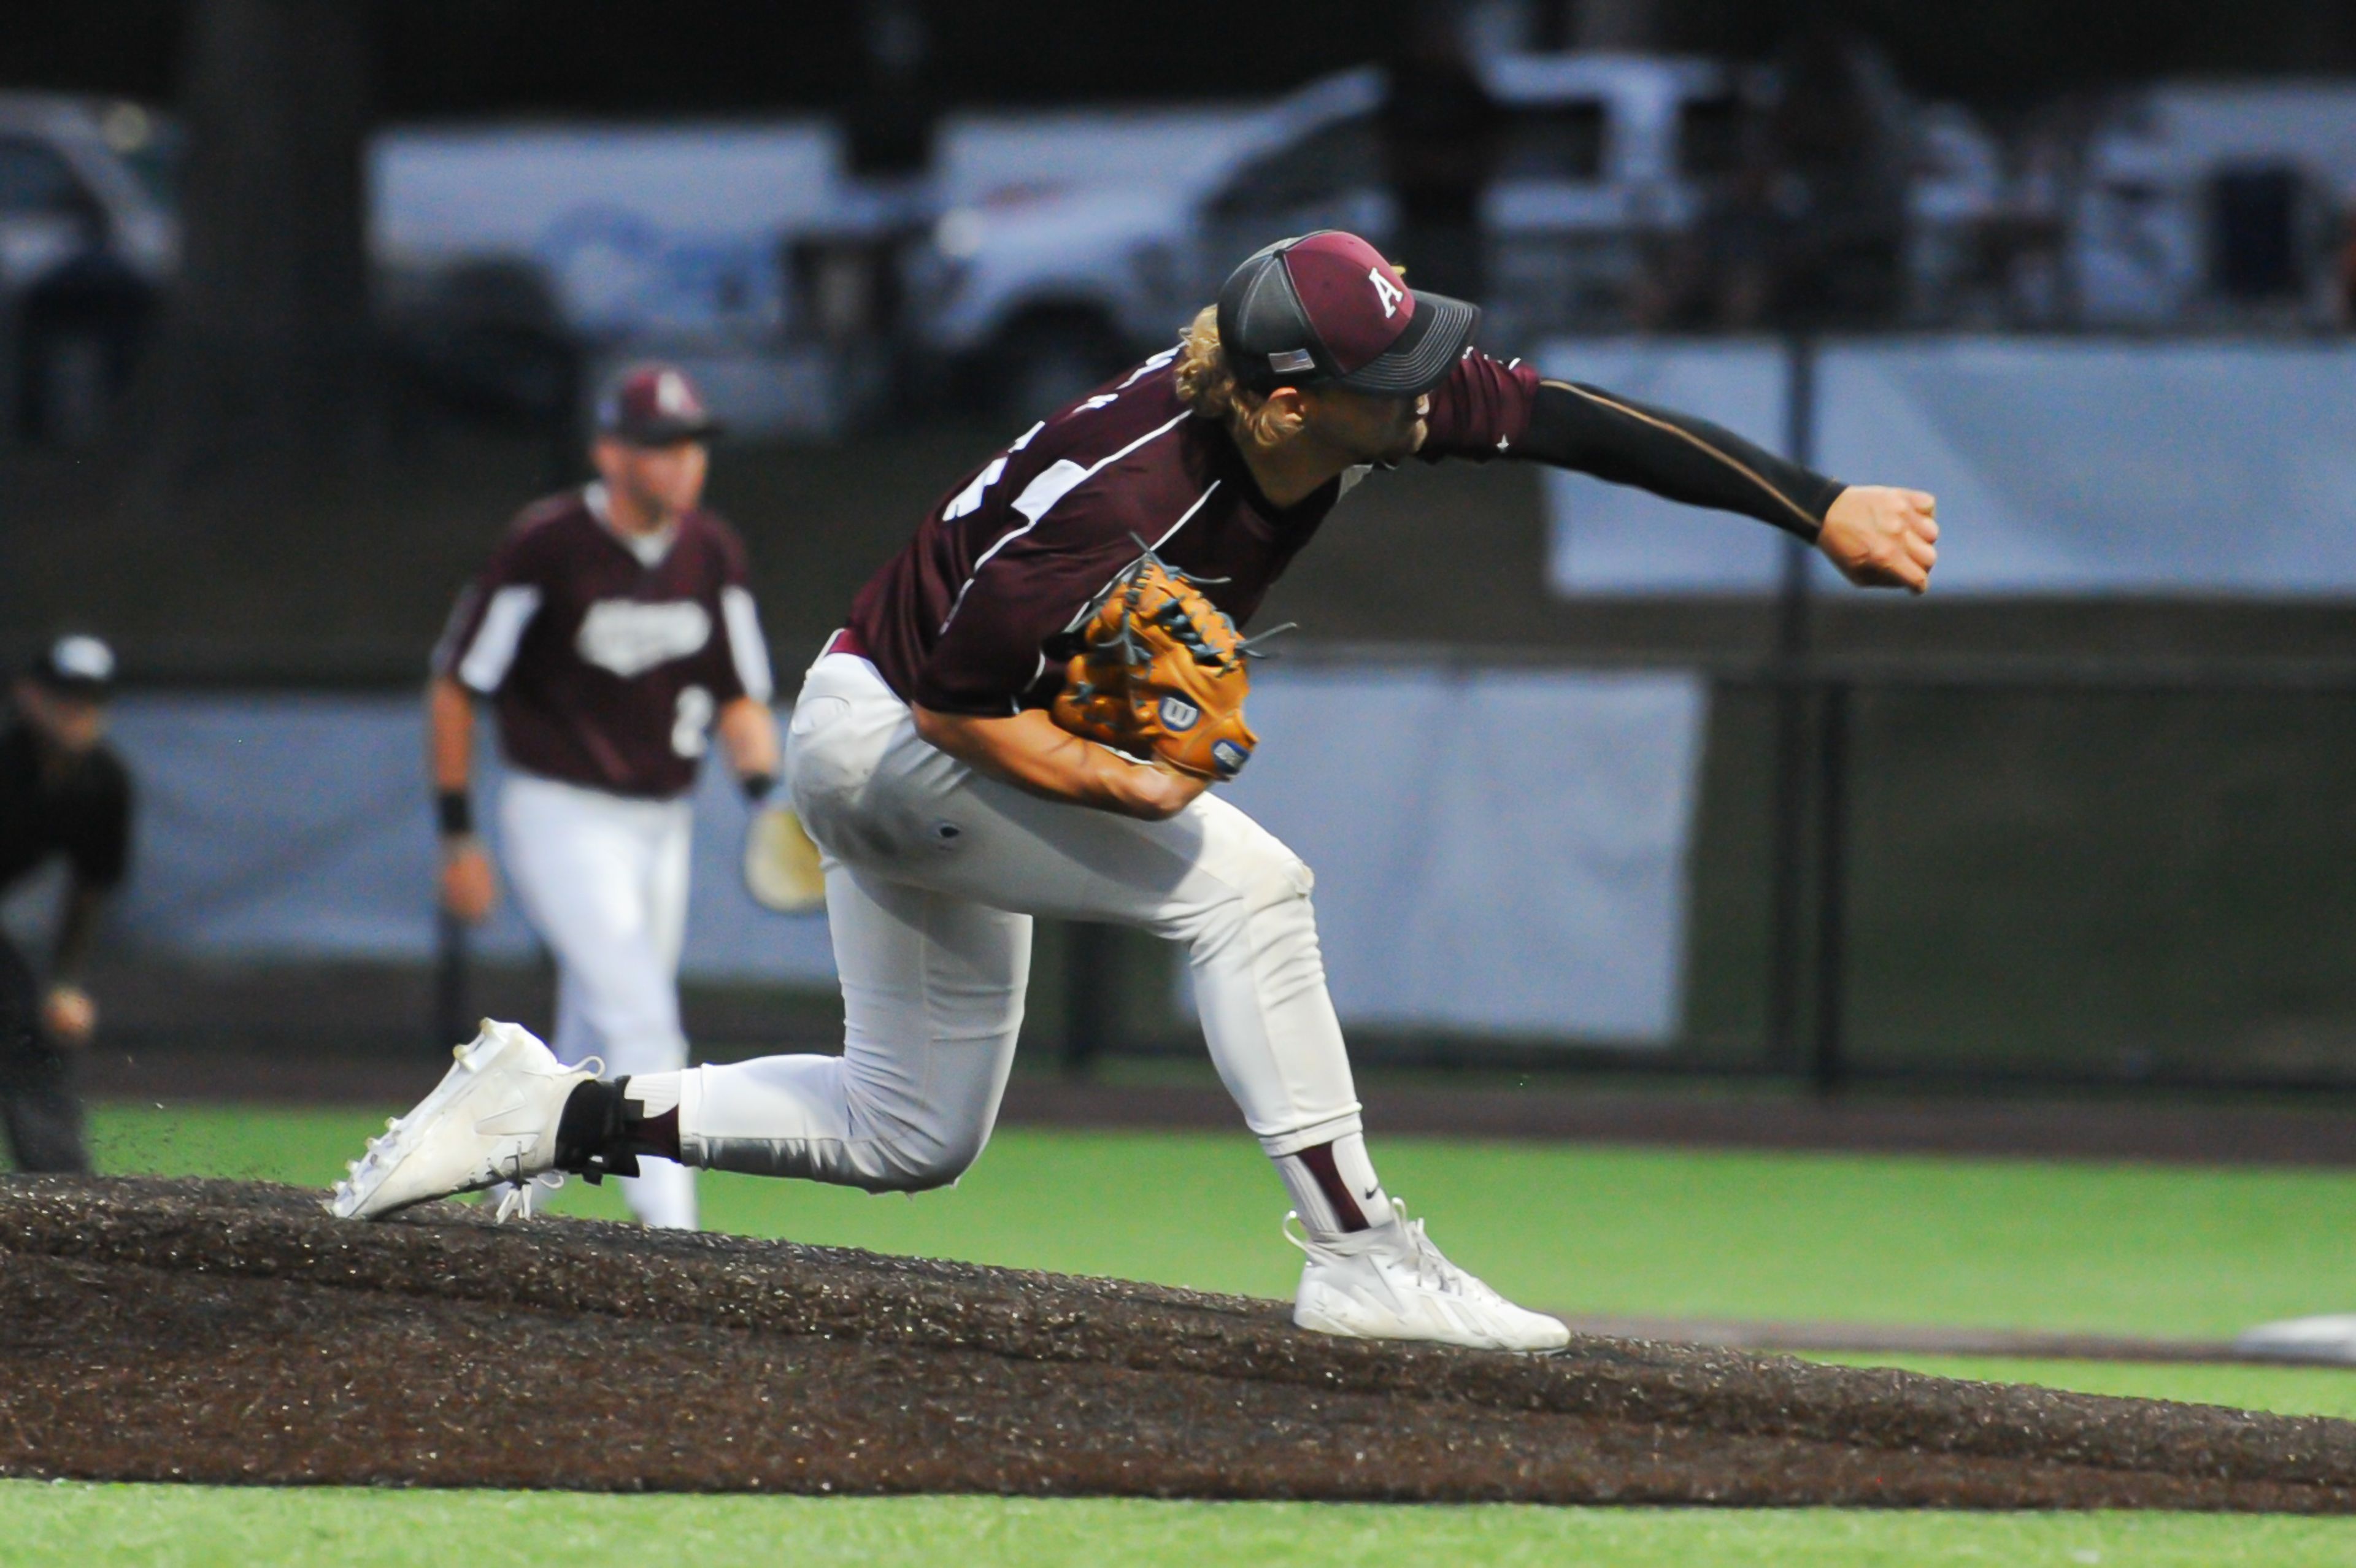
1673	454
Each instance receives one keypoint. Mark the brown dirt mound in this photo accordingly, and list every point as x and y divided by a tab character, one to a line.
229	1332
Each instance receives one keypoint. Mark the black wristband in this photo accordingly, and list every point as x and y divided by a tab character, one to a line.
758	785
456	812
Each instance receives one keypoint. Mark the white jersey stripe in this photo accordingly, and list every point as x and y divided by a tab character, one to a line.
496	640
1047	487
1185	517
1058	480
746	646
1167	535
1150	366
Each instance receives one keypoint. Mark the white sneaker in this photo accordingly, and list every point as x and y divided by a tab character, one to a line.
1391	1283
492	1118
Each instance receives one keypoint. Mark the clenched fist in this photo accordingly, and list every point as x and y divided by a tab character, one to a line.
1882	537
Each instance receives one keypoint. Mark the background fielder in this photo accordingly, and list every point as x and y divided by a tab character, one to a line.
612	631
63	792
953	808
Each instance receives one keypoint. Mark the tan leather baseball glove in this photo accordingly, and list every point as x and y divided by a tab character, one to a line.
1161	675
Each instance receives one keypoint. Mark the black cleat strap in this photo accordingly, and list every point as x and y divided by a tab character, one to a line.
589	1133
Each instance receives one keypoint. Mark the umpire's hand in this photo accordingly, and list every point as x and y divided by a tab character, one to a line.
1882	537
468	889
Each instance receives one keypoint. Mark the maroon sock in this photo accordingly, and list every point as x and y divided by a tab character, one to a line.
651	1135
1334	1187
658	1135
634	1132
1325	1199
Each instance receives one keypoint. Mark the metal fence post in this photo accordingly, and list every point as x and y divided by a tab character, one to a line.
450	1023
1787	884
1829	1066
1091	951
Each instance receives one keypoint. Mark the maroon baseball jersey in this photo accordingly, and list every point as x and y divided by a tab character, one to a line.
975	614
607	658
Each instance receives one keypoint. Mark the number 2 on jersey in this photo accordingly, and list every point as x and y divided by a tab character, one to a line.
690	724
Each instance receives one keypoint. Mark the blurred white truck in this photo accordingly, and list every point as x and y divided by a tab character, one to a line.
1049	284
1602	156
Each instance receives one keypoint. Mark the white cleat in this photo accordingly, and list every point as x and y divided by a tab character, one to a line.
492	1118
1391	1283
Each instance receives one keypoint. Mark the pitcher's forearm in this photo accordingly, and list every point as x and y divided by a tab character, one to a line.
1032	752
1673	454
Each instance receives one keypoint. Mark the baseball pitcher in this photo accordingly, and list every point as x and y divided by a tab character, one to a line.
1026	714
613	631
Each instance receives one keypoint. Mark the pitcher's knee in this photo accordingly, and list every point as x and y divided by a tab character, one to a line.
1269	877
909	1161
1272	883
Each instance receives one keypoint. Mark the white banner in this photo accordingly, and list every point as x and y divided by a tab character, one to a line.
1496	850
1517	866
300	826
2061	467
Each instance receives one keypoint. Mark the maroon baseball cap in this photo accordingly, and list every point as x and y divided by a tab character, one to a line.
1326	308
654	405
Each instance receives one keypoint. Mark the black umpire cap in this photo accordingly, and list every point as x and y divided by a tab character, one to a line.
654	405
79	665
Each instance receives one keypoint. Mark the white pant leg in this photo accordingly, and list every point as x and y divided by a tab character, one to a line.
932	1002
900	813
1210	879
669	854
574	1040
604	880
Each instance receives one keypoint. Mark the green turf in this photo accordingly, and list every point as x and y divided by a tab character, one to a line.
2128	1249
95	1527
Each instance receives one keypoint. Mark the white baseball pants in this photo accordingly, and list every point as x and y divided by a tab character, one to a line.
933	874
603	879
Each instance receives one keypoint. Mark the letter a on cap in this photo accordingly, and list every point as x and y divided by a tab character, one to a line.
1390	294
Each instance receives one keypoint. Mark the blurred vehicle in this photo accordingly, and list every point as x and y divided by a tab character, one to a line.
517	265
86	242
1033	290
1039	290
1603	155
2215	201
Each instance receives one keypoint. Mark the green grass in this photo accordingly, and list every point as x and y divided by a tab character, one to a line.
97	1527
2124	1248
2129	1249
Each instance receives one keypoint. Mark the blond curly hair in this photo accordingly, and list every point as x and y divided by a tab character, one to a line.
1207	385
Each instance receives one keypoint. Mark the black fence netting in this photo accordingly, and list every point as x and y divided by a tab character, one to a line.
2132	876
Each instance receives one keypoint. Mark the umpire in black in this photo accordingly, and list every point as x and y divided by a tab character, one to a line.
62	792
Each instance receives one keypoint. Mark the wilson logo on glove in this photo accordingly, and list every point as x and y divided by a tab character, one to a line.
1160	674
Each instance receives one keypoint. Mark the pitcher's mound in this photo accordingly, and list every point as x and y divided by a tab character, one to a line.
226	1331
